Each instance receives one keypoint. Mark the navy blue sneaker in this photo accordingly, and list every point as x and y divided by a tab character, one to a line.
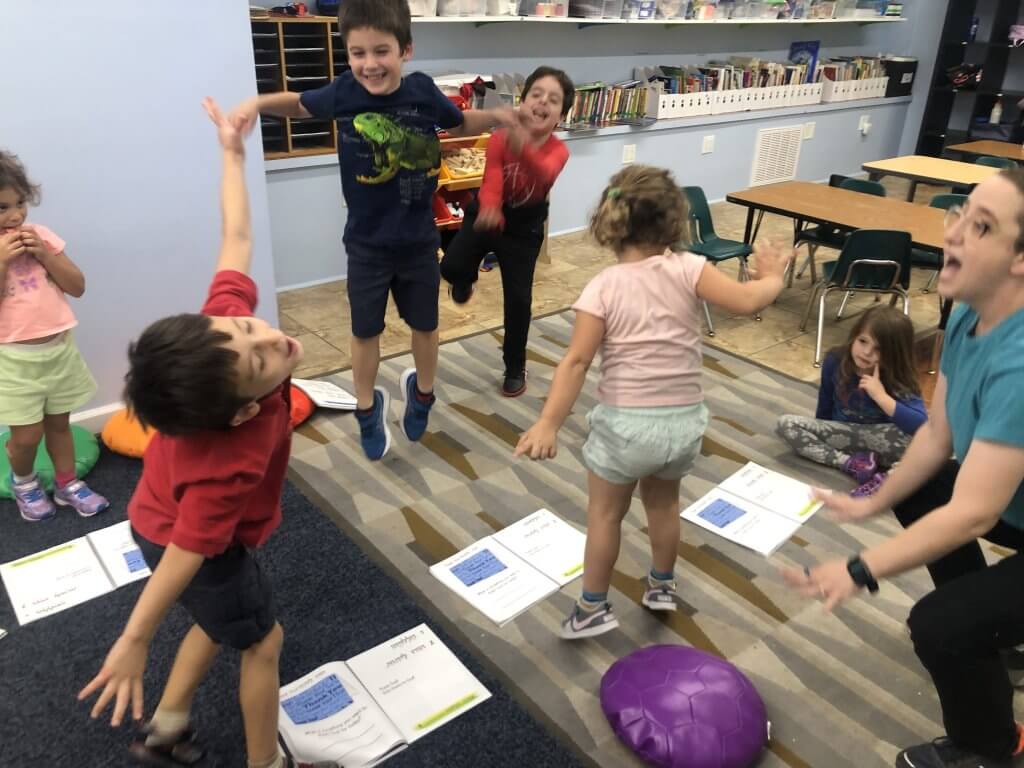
373	426
417	413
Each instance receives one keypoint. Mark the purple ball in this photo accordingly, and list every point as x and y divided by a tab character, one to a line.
678	707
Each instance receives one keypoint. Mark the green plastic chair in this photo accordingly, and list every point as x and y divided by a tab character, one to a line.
872	261
929	259
830	237
706	242
996	162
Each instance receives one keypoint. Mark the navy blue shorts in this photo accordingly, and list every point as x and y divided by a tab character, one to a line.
411	275
229	597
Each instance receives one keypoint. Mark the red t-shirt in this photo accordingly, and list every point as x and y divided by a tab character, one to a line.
209	490
524	179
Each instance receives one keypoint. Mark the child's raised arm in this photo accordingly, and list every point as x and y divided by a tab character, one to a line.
747	298
283	104
236	237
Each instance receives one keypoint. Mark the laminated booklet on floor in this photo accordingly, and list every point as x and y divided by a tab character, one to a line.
505	574
755	508
326	395
69	574
363	711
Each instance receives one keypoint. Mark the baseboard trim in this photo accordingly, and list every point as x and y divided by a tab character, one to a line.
96	418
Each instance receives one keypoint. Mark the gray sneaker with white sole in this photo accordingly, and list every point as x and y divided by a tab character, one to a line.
580	623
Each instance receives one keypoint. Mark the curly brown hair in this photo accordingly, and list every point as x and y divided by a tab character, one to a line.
13	175
641	206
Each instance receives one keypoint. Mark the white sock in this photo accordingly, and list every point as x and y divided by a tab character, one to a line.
277	762
167	726
23	478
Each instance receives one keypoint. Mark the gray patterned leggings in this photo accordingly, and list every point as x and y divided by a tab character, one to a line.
831	442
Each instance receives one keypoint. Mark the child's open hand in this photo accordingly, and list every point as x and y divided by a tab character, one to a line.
538	442
243	117
488	219
228	134
771	259
11	247
120	676
33	244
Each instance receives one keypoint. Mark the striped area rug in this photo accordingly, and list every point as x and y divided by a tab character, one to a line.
841	690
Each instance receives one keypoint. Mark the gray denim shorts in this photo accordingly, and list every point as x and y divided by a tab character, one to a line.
628	444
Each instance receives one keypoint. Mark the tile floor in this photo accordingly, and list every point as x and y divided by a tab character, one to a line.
319	316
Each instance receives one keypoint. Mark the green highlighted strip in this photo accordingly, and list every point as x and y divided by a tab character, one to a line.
42	555
571	571
445	712
811	506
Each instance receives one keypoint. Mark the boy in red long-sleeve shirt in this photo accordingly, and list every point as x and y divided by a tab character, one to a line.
509	213
215	385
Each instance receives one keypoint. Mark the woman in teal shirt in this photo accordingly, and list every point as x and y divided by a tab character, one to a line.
976	611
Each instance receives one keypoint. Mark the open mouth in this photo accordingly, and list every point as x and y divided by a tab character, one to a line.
950	267
376	78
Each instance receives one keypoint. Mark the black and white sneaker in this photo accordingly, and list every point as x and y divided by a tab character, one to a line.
942	753
582	623
661	597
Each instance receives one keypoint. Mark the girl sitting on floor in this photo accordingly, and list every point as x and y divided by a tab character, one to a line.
869	402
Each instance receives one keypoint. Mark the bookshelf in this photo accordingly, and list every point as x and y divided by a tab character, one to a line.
954	115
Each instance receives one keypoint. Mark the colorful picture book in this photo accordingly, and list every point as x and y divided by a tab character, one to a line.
69	574
755	508
361	712
506	573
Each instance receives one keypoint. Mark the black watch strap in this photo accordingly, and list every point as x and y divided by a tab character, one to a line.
861	574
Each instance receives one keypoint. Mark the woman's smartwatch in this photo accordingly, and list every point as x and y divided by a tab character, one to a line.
861	574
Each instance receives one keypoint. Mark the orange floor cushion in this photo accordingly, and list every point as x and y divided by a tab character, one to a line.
123	434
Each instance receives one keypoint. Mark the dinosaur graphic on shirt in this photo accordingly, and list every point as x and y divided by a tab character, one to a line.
396	147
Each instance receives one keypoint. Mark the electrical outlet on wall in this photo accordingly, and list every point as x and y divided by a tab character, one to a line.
708	145
809	130
628	153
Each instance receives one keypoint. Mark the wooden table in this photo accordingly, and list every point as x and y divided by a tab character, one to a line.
832	206
929	170
994	148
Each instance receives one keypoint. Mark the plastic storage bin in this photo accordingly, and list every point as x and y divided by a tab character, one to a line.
461	7
423	7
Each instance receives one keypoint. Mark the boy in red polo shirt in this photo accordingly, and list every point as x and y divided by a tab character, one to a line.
216	387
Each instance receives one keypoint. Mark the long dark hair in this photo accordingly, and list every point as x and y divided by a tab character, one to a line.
894	334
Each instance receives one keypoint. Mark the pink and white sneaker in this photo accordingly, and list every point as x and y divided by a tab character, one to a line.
79	496
32	501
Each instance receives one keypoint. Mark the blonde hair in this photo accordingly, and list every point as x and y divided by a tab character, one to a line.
642	205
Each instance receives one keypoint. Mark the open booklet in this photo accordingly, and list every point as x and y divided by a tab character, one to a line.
72	573
363	711
755	507
504	574
326	395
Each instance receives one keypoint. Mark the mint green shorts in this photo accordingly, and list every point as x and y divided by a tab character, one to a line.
39	380
629	444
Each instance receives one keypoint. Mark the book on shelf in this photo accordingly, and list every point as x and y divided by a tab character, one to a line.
755	507
362	711
805	53
600	104
508	572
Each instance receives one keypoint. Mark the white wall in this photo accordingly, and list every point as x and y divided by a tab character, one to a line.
102	103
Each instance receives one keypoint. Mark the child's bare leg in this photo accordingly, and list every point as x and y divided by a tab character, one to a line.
22	447
661	503
195	655
59	443
424	355
607	505
259	692
365	361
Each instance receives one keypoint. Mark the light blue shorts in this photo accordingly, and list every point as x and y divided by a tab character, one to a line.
628	444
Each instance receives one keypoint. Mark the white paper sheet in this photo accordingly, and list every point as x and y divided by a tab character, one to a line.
55	579
548	543
329	715
119	553
418	682
494	580
776	492
740	521
326	395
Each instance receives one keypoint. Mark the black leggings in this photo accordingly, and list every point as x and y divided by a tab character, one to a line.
959	629
517	248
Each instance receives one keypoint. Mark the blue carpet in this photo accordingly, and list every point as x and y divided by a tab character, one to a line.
333	602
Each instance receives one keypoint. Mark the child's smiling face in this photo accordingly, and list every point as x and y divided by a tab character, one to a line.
376	59
541	107
13	208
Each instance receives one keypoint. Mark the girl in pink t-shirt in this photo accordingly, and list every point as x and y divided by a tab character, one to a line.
643	314
42	375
